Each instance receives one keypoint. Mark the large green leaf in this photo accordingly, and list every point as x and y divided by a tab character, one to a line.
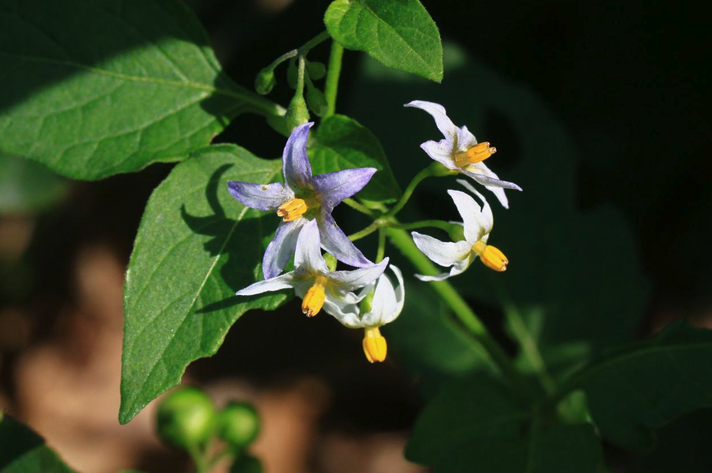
92	89
401	34
633	391
26	186
195	247
23	451
342	143
477	425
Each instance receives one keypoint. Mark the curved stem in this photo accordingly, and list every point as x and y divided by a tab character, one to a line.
356	206
315	41
401	240
366	231
332	77
434	170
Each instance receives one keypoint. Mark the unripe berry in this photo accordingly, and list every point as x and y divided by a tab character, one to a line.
185	418
238	424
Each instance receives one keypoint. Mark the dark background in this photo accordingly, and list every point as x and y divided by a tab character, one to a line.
627	80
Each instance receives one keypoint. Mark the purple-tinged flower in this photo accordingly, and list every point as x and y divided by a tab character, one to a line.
460	151
315	284
303	198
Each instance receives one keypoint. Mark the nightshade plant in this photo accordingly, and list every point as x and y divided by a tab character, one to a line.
129	83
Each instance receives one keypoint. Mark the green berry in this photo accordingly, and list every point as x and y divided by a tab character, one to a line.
239	424
185	418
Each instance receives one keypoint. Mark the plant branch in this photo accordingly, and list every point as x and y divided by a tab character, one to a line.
332	77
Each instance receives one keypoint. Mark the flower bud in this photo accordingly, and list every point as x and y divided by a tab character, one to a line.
246	463
316	70
185	418
316	101
238	424
265	81
297	112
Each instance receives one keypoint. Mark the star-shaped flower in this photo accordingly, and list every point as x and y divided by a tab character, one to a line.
460	151
314	283
459	255
301	199
385	306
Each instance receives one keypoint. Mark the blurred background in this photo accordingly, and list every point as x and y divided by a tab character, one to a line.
599	111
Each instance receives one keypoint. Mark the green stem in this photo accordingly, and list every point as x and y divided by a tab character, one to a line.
331	85
315	41
401	240
300	76
366	231
356	206
435	169
201	465
381	245
448	227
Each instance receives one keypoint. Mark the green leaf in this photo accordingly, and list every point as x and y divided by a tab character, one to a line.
477	425
342	143
23	451
195	247
400	34
26	186
105	87
633	391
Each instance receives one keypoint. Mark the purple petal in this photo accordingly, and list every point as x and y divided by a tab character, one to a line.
295	163
308	255
281	248
260	196
335	241
337	186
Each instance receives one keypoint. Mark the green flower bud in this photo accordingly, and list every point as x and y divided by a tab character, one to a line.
265	81
297	112
246	463
316	101
238	424
316	70
185	418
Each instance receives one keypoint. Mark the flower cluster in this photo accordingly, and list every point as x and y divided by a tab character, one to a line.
460	152
305	203
365	297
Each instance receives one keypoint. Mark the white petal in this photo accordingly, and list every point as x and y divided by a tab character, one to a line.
442	253
357	278
437	111
339	304
471	215
482	174
285	281
465	139
308	254
454	271
440	151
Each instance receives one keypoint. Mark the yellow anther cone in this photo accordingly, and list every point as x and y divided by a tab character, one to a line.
314	298
292	209
475	154
374	345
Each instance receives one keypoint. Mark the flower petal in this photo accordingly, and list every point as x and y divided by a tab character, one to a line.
335	241
485	217
281	248
337	303
384	307
308	255
285	281
471	215
442	253
337	186
437	111
481	173
465	139
260	196
456	269
295	163
440	151
356	278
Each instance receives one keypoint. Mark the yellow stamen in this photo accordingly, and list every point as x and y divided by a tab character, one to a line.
491	256
315	297
374	345
475	154
292	209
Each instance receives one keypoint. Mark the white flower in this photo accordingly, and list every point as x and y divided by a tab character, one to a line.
385	306
459	255
460	151
314	283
